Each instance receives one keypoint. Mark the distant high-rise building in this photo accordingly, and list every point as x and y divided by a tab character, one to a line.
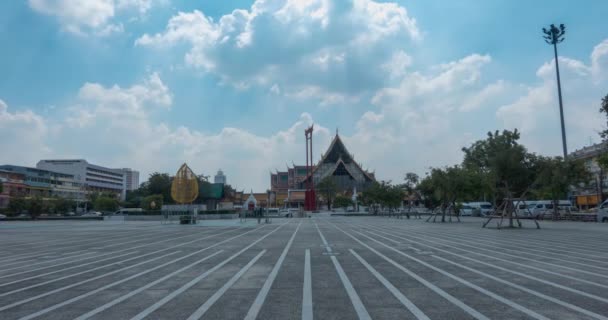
132	179
95	178
220	177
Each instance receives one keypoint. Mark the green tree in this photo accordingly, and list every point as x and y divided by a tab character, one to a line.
342	202
153	202
411	183
391	196
64	205
328	188
35	206
17	205
158	183
370	197
382	195
133	200
604	110
556	176
105	203
505	165
426	189
445	187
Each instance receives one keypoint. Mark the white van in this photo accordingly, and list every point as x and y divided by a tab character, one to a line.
524	208
483	208
602	212
466	209
546	207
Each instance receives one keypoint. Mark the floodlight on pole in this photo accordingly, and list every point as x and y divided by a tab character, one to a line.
553	36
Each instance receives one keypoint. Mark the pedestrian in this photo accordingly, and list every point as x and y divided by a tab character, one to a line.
259	214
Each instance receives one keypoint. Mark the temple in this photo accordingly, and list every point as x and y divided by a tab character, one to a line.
337	163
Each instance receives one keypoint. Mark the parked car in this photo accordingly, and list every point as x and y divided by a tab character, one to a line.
2	216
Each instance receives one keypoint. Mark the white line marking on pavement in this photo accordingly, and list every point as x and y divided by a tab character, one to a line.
61	251
560	302
402	298
203	309
140	289
47	261
4	294
87	258
106	274
518	254
194	281
476	314
538	294
553	284
261	297
461	244
41	312
465	282
307	313
50	246
20	302
90	270
350	290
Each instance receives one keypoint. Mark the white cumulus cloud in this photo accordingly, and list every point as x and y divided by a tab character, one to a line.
97	17
341	46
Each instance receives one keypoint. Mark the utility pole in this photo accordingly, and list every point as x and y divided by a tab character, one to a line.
553	36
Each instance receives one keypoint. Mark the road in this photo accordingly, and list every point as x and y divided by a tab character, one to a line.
310	268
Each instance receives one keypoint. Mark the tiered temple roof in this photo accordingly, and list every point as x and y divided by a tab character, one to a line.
340	164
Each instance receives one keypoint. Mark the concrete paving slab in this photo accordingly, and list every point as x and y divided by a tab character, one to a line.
556	272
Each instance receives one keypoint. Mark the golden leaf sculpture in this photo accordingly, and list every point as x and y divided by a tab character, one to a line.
184	188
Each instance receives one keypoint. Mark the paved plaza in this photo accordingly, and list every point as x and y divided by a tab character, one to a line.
309	268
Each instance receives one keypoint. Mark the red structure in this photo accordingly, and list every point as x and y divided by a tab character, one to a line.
310	199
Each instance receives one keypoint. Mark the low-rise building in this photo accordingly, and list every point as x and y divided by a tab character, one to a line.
13	185
590	193
93	177
45	183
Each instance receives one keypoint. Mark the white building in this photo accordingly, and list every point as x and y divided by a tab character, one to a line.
132	178
220	177
95	178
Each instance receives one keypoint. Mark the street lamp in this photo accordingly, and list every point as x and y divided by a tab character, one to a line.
553	36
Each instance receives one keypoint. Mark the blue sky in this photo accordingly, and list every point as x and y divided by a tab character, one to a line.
150	84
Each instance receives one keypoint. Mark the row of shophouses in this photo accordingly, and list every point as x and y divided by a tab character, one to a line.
591	193
69	179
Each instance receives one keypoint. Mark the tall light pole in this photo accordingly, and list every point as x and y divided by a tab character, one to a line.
553	36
